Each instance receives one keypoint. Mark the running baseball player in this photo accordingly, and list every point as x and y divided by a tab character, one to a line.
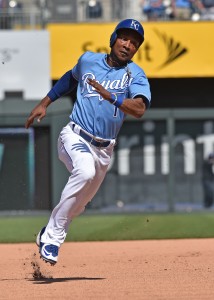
109	86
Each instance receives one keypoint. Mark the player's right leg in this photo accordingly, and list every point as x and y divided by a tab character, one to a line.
79	160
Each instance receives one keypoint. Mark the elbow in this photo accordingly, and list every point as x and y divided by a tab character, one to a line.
140	110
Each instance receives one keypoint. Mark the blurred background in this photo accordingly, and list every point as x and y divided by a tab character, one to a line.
162	163
38	13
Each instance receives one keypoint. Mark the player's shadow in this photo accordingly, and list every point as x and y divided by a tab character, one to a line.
62	279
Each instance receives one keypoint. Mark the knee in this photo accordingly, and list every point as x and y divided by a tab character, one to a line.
87	173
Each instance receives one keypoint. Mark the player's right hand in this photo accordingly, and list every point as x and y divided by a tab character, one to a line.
38	112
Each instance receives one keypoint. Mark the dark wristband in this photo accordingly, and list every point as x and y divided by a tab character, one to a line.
116	99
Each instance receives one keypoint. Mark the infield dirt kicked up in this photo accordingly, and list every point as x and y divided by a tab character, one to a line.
151	270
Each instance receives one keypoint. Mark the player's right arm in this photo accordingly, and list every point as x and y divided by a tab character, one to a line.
63	86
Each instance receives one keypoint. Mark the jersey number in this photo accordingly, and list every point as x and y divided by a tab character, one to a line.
115	112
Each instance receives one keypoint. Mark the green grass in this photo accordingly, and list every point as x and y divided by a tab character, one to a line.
114	227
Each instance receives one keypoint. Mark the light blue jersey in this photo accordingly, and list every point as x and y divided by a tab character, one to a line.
94	114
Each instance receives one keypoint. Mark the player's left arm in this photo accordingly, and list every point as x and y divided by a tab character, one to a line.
135	107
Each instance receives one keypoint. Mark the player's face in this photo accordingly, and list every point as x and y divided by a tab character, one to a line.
126	45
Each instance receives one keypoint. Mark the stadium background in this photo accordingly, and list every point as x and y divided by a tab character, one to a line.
158	160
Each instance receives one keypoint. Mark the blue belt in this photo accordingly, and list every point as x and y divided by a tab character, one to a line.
91	140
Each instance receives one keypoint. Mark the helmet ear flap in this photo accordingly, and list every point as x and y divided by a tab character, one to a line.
113	38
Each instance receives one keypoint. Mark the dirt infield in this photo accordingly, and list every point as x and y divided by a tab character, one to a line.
151	270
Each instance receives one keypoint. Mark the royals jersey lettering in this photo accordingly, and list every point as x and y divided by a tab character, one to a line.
95	115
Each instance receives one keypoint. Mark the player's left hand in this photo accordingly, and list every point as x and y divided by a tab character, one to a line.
100	89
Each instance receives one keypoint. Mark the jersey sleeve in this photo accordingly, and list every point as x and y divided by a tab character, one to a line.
140	87
63	86
76	71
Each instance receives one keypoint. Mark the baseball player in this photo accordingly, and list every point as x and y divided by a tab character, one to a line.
109	86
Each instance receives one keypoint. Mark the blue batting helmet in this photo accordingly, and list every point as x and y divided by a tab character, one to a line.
129	24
